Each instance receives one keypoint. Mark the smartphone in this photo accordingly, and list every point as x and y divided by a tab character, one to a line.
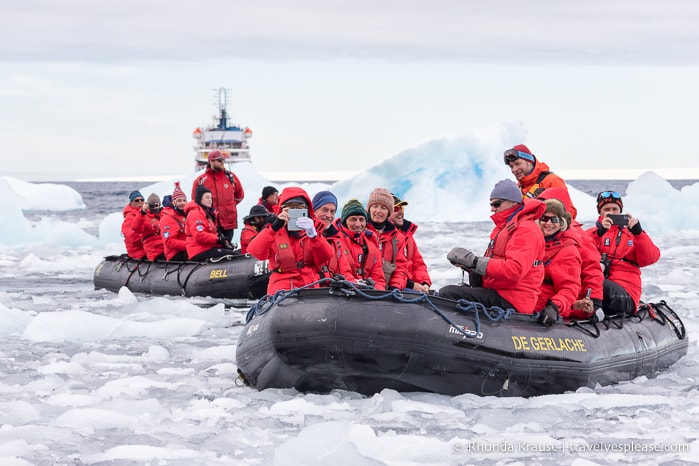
619	219
295	214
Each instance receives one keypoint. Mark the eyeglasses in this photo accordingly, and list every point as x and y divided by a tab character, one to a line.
546	219
139	200
512	154
497	203
153	205
398	208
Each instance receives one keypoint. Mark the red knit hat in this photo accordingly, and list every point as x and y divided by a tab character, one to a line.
177	193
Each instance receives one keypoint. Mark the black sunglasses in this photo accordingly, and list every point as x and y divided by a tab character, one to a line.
497	203
546	219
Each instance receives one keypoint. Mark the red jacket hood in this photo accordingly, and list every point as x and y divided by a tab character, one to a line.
292	192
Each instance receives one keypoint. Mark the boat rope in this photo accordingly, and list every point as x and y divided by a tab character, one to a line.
338	285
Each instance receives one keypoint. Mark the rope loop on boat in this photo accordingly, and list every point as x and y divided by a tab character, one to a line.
338	285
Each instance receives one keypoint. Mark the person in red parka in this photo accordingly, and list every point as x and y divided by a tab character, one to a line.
561	285
359	246
533	176
418	277
226	189
391	241
295	250
325	207
253	225
512	267
625	248
591	276
172	226
269	199
147	224
203	239
132	240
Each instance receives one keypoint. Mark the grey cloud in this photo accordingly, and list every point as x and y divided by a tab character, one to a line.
535	31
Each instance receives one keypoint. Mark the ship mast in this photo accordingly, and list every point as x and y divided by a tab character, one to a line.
222	95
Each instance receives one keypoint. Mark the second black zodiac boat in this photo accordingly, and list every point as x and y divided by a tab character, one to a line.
345	337
232	277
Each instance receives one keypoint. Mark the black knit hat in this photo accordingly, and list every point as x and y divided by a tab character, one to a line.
201	190
268	191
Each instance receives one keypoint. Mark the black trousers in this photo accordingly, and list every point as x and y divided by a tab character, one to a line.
485	296
616	299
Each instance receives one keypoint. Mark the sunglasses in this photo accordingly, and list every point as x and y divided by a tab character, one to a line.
546	219
497	203
139	200
512	154
153	206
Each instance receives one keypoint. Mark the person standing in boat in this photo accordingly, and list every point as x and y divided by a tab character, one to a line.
253	225
511	270
325	207
227	192
391	241
203	239
591	277
562	265
359	246
418	277
269	199
533	176
147	224
172	226
295	249
132	240
624	249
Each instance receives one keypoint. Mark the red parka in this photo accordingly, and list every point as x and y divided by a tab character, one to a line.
246	235
362	255
393	250
201	230
227	191
627	253
338	263
561	274
132	240
294	258
515	270
172	230
148	226
591	276
417	269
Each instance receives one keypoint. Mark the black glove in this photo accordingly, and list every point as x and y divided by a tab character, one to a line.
549	315
600	229
277	224
636	229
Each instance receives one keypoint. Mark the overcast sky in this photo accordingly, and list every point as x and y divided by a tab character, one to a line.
115	88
